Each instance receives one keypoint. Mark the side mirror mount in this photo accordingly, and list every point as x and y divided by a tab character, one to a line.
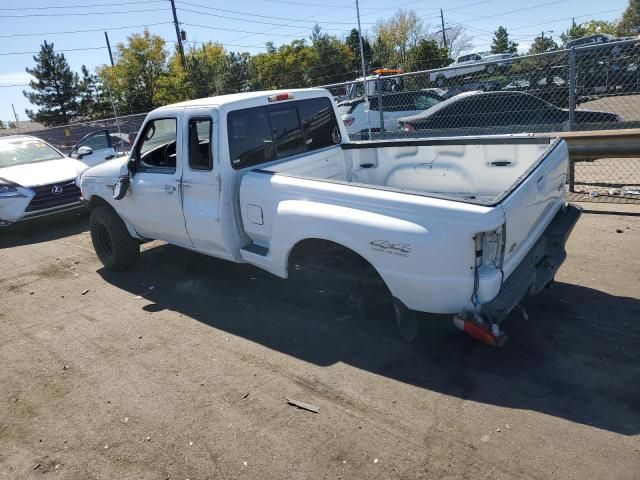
121	187
83	152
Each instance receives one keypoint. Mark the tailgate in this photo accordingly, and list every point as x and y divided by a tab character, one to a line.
530	205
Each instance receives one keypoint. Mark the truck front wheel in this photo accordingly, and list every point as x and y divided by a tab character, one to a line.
116	249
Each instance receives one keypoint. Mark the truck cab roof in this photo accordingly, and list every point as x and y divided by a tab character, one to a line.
247	99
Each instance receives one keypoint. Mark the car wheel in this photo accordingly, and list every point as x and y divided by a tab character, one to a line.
491	69
440	81
116	249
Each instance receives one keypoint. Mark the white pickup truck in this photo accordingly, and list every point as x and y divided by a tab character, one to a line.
463	226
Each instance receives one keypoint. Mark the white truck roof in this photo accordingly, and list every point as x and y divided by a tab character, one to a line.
223	100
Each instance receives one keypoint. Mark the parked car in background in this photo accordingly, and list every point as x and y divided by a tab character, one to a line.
358	117
551	88
35	179
472	63
100	146
596	39
500	112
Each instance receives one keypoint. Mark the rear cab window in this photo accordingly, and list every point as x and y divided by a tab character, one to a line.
262	134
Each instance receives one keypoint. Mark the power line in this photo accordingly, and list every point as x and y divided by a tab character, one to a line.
255	14
251	21
234	30
66	50
82	6
475	19
81	31
78	14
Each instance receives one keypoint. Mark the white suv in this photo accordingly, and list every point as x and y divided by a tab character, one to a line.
359	117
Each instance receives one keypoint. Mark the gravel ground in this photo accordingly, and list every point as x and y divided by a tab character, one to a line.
180	368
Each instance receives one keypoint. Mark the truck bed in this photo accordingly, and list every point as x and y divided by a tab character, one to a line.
474	170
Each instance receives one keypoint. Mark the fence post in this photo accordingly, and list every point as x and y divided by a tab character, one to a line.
572	88
380	106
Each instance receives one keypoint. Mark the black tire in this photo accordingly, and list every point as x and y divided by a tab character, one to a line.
441	81
116	249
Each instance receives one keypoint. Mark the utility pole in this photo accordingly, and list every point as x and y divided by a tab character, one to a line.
364	68
444	35
178	34
106	37
16	117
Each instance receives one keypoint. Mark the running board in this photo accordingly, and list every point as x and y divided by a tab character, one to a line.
255	250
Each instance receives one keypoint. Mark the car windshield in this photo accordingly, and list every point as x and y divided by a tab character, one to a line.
25	150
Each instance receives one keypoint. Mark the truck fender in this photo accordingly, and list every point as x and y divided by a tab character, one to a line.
98	201
348	227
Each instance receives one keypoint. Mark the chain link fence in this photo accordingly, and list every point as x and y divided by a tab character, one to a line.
65	137
583	89
587	88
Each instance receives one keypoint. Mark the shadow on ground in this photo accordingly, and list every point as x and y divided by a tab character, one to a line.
44	229
577	357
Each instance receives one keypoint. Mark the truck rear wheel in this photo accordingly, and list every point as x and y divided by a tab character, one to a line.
116	249
328	276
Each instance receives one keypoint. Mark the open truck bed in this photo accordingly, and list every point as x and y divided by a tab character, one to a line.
477	170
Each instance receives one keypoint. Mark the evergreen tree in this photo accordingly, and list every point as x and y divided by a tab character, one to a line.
94	99
425	55
2	125
55	88
353	43
501	42
542	44
630	21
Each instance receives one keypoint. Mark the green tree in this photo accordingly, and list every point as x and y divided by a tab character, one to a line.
331	59
55	88
630	21
93	97
287	66
353	43
12	124
240	68
3	126
588	28
425	55
542	44
140	65
396	36
501	42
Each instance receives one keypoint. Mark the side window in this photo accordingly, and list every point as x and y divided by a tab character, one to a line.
200	157
285	129
157	148
250	141
319	123
96	142
262	134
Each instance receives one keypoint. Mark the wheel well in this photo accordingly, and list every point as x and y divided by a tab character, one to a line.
97	201
309	248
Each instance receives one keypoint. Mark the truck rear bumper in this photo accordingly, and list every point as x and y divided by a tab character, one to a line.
537	268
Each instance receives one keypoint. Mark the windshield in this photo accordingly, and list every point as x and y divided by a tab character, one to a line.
25	150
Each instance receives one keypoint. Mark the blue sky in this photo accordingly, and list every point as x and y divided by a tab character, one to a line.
247	25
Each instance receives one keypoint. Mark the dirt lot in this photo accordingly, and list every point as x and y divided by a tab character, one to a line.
179	369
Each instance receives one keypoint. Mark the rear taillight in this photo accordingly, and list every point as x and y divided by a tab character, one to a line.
348	121
407	127
280	97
